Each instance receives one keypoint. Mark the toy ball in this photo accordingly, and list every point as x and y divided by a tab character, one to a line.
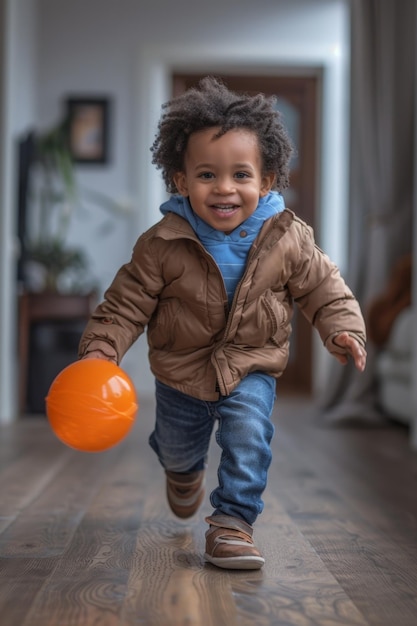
91	405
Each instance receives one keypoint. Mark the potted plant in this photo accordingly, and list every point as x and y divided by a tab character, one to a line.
54	197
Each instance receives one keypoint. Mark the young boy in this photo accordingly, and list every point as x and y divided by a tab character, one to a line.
214	282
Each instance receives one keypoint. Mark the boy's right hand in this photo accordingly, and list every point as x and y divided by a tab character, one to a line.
98	354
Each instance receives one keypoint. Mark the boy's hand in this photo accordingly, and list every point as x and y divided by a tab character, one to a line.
354	349
98	354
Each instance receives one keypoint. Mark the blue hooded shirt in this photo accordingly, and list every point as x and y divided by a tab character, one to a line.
229	251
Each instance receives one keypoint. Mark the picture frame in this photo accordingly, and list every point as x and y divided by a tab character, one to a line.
88	129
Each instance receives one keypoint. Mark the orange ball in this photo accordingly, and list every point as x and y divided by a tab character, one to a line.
91	405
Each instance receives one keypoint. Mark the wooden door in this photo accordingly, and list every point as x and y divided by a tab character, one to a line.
297	101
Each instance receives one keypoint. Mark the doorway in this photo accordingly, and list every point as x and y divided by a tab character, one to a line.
297	100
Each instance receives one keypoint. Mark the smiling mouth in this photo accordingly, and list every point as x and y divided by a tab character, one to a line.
225	208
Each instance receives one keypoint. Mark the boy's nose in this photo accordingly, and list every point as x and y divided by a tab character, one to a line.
224	185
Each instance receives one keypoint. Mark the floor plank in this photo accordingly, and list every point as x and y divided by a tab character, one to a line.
346	503
88	539
27	465
94	568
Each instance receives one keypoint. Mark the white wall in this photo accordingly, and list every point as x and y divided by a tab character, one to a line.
127	49
18	78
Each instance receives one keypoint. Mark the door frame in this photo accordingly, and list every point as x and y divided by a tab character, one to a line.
154	78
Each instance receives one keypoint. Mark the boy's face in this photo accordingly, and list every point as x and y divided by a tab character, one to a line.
223	177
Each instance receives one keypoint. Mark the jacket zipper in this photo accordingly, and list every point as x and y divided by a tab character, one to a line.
253	252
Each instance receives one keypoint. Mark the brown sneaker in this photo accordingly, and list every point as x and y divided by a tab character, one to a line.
185	492
229	544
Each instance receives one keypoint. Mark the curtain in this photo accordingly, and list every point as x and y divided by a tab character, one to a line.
381	178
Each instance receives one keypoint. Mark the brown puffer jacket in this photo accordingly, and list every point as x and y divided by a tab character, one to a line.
196	344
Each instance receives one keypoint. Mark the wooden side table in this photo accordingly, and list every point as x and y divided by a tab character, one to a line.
43	307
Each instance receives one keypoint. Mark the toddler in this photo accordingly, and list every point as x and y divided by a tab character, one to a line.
214	283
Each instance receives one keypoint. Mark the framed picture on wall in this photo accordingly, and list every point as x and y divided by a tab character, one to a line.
88	129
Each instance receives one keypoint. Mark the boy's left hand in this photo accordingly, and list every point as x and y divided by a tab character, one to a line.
354	349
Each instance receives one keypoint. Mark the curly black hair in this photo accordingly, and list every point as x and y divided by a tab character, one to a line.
212	104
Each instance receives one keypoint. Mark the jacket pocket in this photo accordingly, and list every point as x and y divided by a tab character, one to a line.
280	313
265	320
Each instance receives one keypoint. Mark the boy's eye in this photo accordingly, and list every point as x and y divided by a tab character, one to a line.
241	175
206	175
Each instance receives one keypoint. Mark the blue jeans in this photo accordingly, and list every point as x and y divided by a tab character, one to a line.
182	435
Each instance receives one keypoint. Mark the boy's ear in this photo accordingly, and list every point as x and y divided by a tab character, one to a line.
181	183
267	183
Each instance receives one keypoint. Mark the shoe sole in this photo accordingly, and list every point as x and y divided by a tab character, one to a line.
236	562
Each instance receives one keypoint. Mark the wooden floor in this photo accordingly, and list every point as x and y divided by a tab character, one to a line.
87	539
